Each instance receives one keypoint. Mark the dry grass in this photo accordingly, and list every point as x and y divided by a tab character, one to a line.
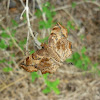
74	84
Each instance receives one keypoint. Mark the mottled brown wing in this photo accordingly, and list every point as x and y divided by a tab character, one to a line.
51	56
44	60
59	43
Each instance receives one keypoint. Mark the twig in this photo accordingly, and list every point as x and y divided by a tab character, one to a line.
8	3
43	16
71	17
20	25
68	6
29	26
13	83
8	54
2	18
27	51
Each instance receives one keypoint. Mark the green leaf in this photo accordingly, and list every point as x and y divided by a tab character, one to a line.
85	58
45	76
55	83
10	62
34	75
22	43
95	65
76	56
47	4
7	69
41	24
79	64
69	60
43	40
82	37
56	90
46	90
99	72
70	26
14	22
74	4
3	44
4	35
13	33
2	61
32	51
10	43
38	13
85	67
83	50
45	9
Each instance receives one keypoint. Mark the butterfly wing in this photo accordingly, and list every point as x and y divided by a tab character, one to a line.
51	56
41	60
59	43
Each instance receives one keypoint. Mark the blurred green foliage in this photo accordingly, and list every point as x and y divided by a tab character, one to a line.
80	60
34	75
74	4
83	62
70	26
7	69
51	85
47	10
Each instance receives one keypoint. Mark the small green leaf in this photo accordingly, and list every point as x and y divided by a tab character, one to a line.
32	51
46	90
85	58
13	33
34	75
22	43
76	56
56	90
10	62
14	22
79	64
41	24
83	50
74	4
70	26
95	65
43	40
38	13
3	44
69	60
99	72
45	9
47	4
55	83
82	37
45	75
2	61
7	69
4	35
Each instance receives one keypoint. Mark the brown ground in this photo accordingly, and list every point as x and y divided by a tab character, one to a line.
74	84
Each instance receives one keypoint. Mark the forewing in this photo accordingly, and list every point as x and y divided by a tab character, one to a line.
59	43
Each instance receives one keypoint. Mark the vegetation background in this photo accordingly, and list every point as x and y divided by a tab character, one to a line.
78	78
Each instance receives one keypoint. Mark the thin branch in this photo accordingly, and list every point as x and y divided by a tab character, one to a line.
12	38
20	25
7	86
43	16
29	26
68	6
